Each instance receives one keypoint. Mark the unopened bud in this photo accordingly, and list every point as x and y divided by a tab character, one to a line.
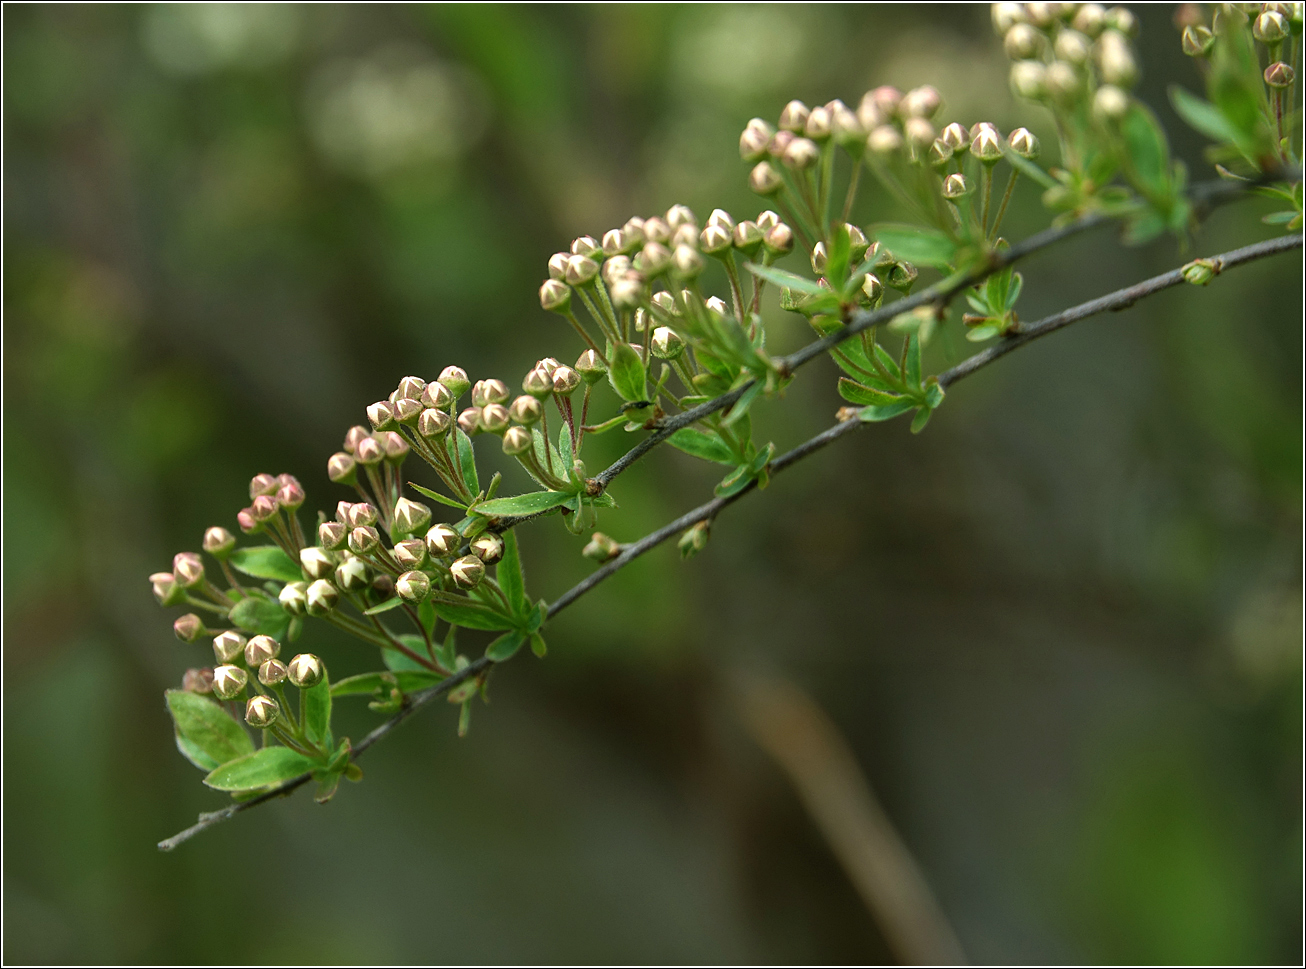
229	646
686	263
1270	27
614	268
601	548
1279	75
352	575
381	415
290	495
794	116
189	627
332	535
779	240
1072	47
754	139
1197	41
1029	80
884	140
765	180
316	562
261	711
694	540
1110	103
410	553
341	468
819	124
1043	15
716	239
188	569
494	419
747	237
517	440
363	540
717	305
1023	143
467	571
433	423
819	259
921	102
685	235
585	246
198	680
305	671
437	396
469	421
259	650
362	513
614	242
565	381
1005	16
591	368
848	130
219	542
354	435
442	539
413	586
666	344
902	275
1199	272
657	230
369	451
488	547
886	99
679	215
321	597
634	229
955	137
265	508
249	525
454	379
1023	42
627	292
873	288
526	410
272	672
581	270
1121	19
987	145
410	516
294	597
262	484
1115	60
1089	19
801	154
955	187
229	681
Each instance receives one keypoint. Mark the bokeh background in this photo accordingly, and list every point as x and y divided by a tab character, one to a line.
1061	630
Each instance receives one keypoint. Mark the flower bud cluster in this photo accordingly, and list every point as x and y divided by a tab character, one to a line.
1065	55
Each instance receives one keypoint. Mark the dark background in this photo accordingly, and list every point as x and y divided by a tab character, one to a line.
1061	628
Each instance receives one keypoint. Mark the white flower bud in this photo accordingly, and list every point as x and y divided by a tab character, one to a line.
322	597
413	586
442	540
316	562
229	681
467	571
794	116
272	672
294	598
488	547
305	671
1110	103
228	646
352	575
1029	80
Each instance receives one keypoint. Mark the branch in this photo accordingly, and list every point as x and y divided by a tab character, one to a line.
1205	197
415	703
1118	300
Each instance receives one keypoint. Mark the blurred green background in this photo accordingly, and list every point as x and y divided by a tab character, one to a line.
1061	629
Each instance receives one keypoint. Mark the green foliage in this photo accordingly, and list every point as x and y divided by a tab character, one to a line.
207	735
266	562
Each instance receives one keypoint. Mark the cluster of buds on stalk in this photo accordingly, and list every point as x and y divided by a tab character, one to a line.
1234	36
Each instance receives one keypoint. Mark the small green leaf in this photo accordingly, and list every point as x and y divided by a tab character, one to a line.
266	562
982	332
734	482
920	420
913	361
255	614
1202	116
262	768
397	662
1028	168
527	504
468	459
506	645
509	575
1149	155
436	496
884	412
626	373
538	646
887	361
840	252
707	445
739	409
925	247
316	704
564	446
786	279
856	393
472	616
394	602
205	731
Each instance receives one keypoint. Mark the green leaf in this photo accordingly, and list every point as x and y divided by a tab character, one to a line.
985	331
365	684
509	575
394	602
925	247
1149	155
194	754
207	729
913	361
527	504
884	412
786	279
887	360
316	704
1028	168
626	373
255	614
739	409
564	446
855	393
473	616
1203	116
506	645
468	459
262	768
920	420
707	445
397	661
266	562
436	496
840	252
